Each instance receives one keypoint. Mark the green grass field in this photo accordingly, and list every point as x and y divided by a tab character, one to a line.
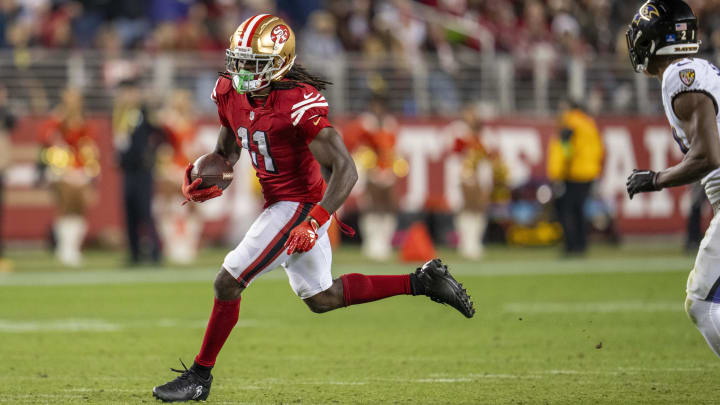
609	329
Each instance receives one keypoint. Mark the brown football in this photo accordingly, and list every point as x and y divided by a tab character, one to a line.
213	169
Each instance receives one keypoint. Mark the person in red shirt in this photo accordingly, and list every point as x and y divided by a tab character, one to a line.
379	204
476	182
273	108
70	158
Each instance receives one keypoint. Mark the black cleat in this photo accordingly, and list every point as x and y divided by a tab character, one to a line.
441	287
189	386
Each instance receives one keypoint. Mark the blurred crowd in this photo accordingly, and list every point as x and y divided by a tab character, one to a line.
407	49
512	26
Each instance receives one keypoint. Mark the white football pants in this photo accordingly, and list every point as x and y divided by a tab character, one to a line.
706	316
703	292
262	250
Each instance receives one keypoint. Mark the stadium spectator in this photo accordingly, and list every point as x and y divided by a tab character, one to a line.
441	83
574	161
56	28
130	20
516	27
70	158
137	135
406	29
354	22
319	40
7	123
195	32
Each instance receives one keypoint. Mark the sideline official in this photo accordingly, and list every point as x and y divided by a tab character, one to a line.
137	137
575	158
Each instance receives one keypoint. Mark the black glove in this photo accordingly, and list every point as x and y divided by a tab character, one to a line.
641	181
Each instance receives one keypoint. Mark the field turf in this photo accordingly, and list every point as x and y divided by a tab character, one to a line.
609	329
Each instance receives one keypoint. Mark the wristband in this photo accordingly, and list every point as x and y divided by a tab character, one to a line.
319	214
655	183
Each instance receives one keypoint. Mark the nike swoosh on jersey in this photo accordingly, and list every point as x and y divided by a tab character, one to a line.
306	96
317	121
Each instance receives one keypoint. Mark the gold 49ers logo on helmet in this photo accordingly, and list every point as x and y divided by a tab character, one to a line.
280	34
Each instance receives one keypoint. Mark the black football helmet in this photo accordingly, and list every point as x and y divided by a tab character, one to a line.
661	27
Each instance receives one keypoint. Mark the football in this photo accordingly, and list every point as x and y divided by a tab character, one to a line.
213	169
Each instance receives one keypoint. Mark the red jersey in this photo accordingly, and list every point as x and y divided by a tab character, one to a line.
75	135
277	135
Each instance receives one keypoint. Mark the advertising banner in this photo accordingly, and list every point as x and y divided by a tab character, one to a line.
427	146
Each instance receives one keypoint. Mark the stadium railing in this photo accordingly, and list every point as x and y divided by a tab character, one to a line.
506	84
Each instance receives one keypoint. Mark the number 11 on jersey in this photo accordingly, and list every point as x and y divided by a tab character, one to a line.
259	138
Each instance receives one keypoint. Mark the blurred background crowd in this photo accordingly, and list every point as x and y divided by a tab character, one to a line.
408	33
512	26
526	54
105	102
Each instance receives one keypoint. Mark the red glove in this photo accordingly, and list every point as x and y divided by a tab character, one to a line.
191	191
302	237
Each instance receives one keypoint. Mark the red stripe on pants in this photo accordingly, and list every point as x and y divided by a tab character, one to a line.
269	248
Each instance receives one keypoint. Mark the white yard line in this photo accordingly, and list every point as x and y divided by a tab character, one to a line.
448	378
61	325
485	269
105	277
103	325
593	307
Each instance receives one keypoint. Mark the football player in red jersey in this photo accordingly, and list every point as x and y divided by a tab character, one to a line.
273	108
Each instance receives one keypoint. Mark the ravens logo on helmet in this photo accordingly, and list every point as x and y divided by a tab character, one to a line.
661	27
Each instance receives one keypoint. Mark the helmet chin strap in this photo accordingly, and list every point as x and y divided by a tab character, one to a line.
644	66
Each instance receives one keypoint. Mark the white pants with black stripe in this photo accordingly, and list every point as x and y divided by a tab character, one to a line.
261	250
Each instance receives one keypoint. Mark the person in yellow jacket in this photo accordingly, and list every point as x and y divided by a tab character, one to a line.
575	158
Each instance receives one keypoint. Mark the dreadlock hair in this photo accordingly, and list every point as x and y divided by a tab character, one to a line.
293	78
298	74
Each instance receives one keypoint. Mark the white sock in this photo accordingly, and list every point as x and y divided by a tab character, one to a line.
377	232
470	227
181	235
70	232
